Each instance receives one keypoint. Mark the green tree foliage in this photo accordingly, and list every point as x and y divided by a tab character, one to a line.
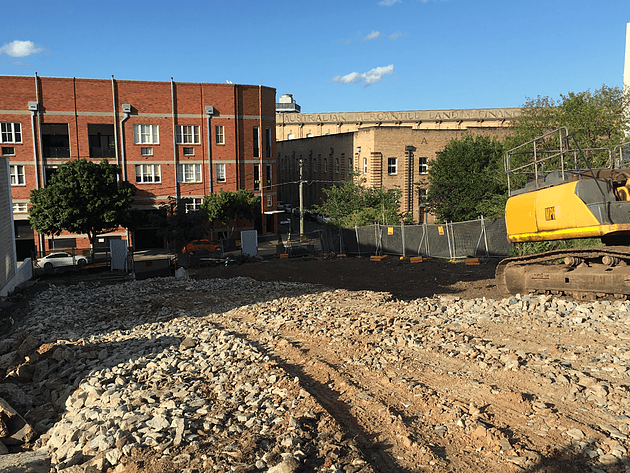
178	226
82	197
597	119
227	207
467	180
353	204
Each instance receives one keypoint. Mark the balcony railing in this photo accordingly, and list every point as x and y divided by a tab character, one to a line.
57	152
102	152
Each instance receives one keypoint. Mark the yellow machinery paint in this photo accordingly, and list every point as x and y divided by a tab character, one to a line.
549	214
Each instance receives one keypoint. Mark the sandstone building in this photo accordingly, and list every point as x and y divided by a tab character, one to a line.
387	149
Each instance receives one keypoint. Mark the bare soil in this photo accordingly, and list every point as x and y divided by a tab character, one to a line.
394	416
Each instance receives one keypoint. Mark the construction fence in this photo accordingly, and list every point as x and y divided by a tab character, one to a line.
476	238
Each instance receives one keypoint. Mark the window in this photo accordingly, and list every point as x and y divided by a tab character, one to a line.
256	177
147	173
219	136
423	167
337	165
17	175
19	207
187	134
194	205
189	151
145	134
268	142
350	164
220	172
189	173
10	133
365	167
269	201
269	177
145	151
325	166
423	198
256	138
8	151
391	166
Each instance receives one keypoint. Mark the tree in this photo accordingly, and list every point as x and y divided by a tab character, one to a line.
227	207
82	197
598	119
467	180
353	204
177	225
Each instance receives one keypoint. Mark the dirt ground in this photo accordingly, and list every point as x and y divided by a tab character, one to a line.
432	409
401	278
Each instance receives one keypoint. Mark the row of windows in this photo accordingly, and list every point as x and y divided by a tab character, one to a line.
146	134
150	173
392	166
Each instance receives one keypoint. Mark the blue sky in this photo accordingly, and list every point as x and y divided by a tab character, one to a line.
333	56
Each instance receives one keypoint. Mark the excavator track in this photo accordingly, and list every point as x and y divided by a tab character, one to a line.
583	273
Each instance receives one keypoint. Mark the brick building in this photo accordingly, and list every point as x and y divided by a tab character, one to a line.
183	140
385	156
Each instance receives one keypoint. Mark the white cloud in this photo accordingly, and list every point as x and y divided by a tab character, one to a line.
370	77
20	63
373	35
395	36
20	48
389	3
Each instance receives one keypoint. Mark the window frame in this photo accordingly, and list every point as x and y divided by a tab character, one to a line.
269	177
219	134
195	205
268	142
423	166
8	130
16	175
140	134
365	165
256	142
17	206
182	173
6	151
148	177
188	151
146	151
392	166
182	136
220	172
256	175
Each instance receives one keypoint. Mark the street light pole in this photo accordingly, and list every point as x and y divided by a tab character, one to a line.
301	200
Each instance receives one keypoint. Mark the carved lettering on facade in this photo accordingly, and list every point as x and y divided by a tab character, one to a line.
404	116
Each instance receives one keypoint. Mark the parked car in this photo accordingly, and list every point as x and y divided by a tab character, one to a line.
323	219
213	247
61	258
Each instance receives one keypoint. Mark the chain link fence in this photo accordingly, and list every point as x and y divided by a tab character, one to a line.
476	238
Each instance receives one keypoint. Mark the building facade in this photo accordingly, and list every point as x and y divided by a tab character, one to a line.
182	140
291	126
392	157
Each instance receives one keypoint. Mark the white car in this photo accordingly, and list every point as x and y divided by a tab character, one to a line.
61	258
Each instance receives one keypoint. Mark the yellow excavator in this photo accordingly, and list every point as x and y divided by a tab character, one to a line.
555	194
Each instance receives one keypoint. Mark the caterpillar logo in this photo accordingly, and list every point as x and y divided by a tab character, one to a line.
550	213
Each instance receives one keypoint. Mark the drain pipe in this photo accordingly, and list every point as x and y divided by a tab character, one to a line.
34	107
209	113
174	142
115	118
127	111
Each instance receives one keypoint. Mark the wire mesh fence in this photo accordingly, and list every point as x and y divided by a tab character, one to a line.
476	238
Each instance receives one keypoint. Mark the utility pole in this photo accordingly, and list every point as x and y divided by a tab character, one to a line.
301	200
